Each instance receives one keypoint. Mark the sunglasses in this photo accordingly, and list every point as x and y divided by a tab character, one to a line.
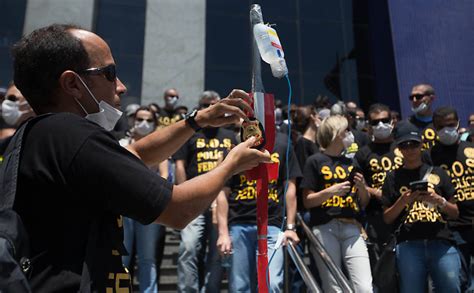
108	71
409	145
147	120
417	97
12	98
376	122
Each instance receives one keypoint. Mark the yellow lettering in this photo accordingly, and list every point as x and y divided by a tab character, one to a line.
326	171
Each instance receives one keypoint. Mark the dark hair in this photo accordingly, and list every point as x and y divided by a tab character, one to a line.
444	111
41	57
149	109
303	117
377	108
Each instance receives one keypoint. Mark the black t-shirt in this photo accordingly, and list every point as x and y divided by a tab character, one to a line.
74	182
428	133
242	198
424	221
322	171
203	150
376	160
458	161
166	117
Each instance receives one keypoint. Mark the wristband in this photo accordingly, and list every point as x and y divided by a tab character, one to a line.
190	120
291	227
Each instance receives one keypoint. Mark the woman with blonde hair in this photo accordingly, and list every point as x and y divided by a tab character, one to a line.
335	199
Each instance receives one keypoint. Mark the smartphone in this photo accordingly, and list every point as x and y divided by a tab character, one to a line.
352	175
421	185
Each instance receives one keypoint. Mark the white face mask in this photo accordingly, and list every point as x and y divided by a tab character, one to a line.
382	130
171	101
448	135
11	112
107	116
348	140
422	107
144	127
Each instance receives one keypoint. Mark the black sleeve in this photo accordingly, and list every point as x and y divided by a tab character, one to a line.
182	153
447	188
294	167
310	174
389	194
126	186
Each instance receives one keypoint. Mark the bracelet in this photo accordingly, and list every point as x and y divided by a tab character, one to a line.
443	205
291	227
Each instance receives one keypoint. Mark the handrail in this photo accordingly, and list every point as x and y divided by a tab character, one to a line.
308	279
317	248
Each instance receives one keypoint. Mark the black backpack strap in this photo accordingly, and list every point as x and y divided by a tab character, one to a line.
9	169
11	163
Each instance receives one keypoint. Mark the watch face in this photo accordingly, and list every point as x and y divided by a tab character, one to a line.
253	127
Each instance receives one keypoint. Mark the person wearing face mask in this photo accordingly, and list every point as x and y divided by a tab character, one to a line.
457	157
199	155
421	98
143	237
167	114
335	202
375	160
14	110
425	245
75	181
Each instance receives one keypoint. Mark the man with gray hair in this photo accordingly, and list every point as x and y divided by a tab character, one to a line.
199	155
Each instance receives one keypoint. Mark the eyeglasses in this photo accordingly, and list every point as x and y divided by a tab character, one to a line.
147	120
376	122
108	71
409	145
417	97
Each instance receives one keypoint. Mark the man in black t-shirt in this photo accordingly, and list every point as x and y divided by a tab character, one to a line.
199	155
421	98
237	221
457	158
376	159
75	180
168	114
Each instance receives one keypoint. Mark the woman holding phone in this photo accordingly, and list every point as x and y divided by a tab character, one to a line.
425	245
335	200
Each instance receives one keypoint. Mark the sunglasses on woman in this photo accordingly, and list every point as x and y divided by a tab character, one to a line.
108	71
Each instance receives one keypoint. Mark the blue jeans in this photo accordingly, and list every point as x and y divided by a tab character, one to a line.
243	270
418	258
191	255
146	237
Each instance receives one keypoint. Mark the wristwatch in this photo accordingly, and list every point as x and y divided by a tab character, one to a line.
291	227
190	120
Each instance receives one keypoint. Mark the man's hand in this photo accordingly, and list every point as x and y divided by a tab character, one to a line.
226	111
359	180
290	235
243	157
409	196
224	245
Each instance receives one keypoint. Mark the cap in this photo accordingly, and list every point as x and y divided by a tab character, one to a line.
406	131
131	109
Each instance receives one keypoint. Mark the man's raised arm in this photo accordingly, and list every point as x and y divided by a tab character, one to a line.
161	144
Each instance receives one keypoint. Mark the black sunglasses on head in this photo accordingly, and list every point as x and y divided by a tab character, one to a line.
417	97
108	71
376	122
411	144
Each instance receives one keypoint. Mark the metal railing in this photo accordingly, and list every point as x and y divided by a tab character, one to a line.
311	284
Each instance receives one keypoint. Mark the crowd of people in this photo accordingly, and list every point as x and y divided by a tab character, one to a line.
97	188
